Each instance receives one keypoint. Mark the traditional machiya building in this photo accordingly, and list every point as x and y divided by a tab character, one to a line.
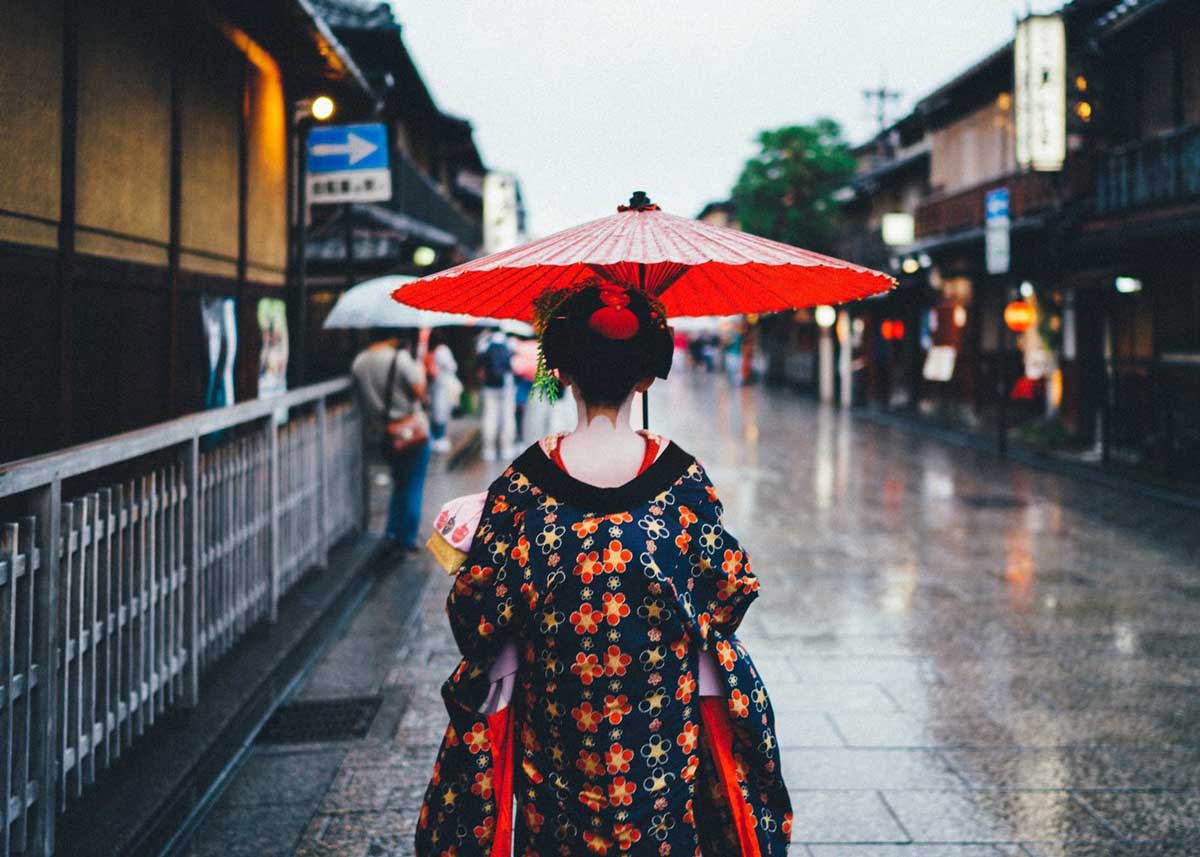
144	169
969	123
1100	239
1132	258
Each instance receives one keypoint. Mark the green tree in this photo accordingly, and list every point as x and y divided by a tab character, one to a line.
786	191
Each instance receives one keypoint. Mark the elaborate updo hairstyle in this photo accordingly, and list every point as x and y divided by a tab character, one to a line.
605	339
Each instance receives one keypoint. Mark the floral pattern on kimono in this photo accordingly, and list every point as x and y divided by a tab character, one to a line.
610	596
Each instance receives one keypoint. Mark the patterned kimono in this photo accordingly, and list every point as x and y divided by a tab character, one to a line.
610	595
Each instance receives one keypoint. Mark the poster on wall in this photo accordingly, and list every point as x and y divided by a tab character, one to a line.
219	317
273	356
939	363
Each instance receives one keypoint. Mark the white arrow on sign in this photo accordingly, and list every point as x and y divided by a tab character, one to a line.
355	146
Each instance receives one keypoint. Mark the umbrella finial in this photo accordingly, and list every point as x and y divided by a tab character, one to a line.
638	202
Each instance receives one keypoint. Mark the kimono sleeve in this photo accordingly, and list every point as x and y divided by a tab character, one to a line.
724	584
486	605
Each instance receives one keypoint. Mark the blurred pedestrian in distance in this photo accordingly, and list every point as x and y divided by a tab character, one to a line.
498	396
445	389
733	358
524	364
702	349
391	385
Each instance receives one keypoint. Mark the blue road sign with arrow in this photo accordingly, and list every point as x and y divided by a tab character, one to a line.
996	204
348	163
995	236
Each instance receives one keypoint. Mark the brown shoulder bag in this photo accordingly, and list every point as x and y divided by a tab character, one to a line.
408	434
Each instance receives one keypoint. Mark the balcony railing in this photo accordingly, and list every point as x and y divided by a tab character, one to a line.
964	209
133	563
1163	169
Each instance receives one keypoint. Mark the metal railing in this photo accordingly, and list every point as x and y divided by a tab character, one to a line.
1154	171
133	563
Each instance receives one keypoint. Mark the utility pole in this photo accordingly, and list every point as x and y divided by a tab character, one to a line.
881	96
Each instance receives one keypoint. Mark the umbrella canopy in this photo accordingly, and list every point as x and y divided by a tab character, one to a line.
695	268
370	304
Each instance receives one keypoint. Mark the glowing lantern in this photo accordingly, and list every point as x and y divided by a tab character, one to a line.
1020	316
892	329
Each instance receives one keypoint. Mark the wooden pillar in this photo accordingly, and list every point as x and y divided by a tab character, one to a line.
245	316
68	150
175	215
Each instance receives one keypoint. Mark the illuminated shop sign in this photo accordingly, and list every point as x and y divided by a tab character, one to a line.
1040	60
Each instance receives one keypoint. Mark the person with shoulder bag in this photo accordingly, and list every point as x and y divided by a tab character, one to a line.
392	387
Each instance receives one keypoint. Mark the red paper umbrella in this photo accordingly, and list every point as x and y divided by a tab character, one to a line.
695	268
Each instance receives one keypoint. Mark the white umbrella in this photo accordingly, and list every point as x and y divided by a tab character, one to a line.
517	328
370	304
698	324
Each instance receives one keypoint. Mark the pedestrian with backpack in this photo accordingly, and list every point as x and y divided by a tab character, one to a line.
498	396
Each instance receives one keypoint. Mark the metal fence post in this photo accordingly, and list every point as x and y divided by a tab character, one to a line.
48	508
322	483
191	601
273	565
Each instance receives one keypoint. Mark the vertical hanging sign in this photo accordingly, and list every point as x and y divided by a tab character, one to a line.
1040	89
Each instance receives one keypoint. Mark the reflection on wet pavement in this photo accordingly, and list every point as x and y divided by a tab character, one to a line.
967	657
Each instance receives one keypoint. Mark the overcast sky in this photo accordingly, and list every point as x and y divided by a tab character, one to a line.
587	100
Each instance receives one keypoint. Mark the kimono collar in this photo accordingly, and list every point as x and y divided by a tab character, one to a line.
670	465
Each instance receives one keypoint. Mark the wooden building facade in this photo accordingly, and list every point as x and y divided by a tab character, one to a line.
144	162
1104	248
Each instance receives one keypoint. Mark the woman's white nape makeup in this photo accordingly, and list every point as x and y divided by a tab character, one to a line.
604	450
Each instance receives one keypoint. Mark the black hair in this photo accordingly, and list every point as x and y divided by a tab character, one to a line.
605	370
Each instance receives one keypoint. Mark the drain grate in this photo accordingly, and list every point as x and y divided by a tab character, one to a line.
991	501
317	720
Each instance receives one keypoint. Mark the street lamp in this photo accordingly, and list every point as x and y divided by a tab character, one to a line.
322	108
826	317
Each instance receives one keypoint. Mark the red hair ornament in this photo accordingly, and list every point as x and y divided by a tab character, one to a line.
614	320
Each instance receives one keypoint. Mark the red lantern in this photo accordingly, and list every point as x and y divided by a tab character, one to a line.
892	330
1020	316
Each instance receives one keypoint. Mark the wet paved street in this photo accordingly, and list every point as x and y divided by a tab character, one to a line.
966	657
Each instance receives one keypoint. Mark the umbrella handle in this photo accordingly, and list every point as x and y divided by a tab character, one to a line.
646	409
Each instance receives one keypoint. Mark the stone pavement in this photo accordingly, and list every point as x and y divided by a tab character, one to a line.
966	657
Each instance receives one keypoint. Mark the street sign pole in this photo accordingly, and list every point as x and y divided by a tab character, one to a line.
302	259
348	215
997	261
338	164
1002	386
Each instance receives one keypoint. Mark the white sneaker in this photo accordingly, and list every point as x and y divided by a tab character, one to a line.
442	444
